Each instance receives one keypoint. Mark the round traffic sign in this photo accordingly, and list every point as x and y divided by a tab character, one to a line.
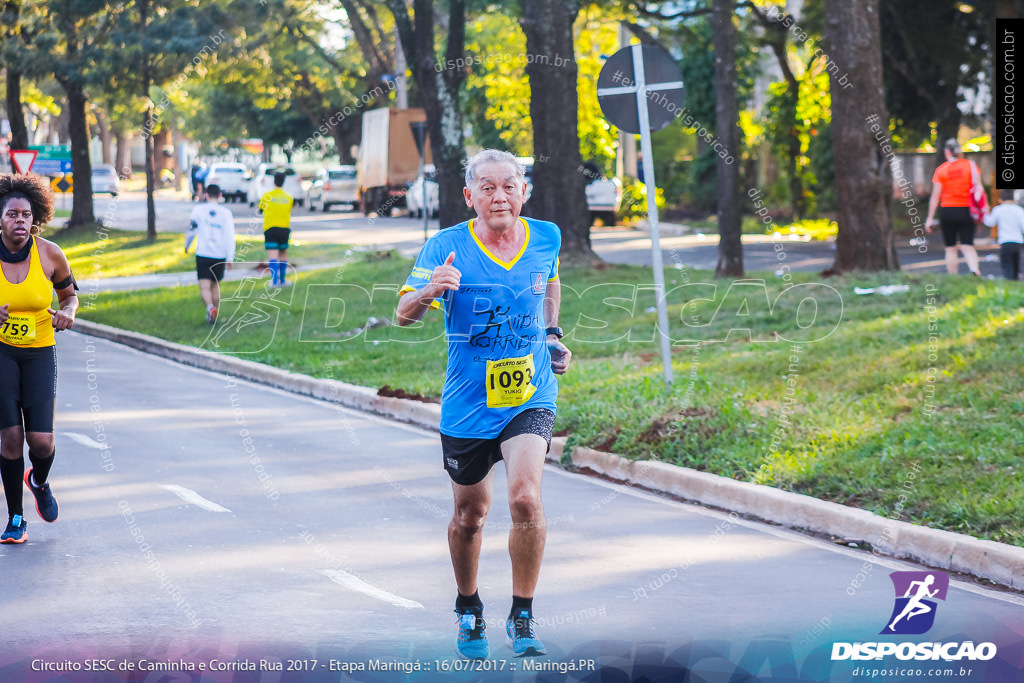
658	77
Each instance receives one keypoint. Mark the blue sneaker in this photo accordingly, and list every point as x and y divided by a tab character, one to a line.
472	633
520	631
46	506
17	531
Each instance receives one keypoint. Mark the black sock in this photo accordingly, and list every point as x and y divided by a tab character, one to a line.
41	466
519	603
464	601
12	472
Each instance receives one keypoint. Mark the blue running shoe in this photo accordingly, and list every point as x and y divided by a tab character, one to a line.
46	506
520	630
17	531
472	633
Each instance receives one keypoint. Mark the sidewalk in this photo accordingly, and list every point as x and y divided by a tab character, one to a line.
184	278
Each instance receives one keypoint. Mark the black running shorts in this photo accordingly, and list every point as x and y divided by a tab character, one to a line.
29	387
276	238
210	268
468	461
956	223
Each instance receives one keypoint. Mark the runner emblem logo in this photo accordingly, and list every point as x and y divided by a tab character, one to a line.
916	592
539	286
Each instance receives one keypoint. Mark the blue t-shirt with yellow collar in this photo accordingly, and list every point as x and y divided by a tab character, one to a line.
498	360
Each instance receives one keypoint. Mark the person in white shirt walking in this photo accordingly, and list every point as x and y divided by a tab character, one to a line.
213	229
1009	217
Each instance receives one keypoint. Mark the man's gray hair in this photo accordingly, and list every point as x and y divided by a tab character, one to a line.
954	147
486	156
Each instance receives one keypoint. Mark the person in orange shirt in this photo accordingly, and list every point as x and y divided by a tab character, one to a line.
32	270
952	185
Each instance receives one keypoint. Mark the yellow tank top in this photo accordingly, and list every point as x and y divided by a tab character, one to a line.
277	209
29	324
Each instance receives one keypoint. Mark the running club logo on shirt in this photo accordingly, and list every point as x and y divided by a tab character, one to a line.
914	610
489	333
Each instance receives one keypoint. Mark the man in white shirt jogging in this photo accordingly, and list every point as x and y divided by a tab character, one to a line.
213	228
1009	217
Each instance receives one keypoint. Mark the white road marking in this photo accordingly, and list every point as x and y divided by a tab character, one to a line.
353	582
190	496
83	440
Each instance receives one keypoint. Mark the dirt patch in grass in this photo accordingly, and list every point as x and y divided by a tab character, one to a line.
606	445
663	426
402	393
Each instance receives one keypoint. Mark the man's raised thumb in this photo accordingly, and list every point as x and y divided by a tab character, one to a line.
451	258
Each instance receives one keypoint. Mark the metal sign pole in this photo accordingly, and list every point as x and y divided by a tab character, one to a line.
652	211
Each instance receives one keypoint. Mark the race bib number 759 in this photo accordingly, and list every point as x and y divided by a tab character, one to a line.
19	328
509	382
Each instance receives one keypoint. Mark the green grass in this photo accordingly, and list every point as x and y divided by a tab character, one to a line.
105	252
876	386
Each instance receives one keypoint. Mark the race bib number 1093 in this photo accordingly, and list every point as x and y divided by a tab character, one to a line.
509	382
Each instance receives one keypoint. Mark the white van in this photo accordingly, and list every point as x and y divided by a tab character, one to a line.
232	179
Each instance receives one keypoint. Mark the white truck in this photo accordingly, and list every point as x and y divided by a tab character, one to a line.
388	160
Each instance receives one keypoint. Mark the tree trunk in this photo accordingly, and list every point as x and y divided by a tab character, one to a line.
730	229
946	127
147	123
15	112
863	176
439	94
147	141
559	188
122	154
106	139
78	132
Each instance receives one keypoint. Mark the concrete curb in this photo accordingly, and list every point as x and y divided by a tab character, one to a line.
996	562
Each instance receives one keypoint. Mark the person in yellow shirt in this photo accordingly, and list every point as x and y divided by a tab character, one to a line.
276	207
32	270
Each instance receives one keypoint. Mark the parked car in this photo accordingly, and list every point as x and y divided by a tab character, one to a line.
414	195
263	182
334	185
232	178
104	179
604	195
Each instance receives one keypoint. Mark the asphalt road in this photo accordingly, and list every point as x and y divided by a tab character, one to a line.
208	521
340	226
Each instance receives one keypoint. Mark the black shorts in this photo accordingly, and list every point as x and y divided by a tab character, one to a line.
276	238
29	387
956	222
210	268
468	461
